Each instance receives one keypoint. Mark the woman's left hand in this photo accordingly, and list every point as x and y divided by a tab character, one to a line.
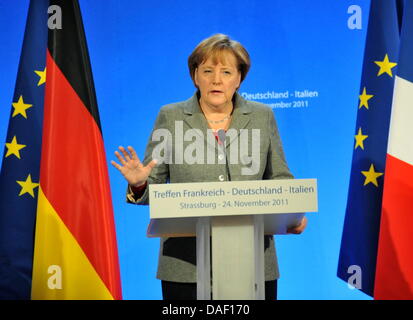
300	228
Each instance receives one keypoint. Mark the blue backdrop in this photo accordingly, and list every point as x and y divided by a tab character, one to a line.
139	52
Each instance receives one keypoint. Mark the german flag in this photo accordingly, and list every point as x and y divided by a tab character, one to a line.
75	252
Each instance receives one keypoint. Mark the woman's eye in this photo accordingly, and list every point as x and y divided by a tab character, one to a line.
207	71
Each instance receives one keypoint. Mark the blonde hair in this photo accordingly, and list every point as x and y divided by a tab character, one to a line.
215	47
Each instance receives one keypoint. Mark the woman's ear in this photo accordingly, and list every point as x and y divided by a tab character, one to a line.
196	77
239	83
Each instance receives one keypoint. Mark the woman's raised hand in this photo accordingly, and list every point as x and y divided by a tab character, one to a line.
131	167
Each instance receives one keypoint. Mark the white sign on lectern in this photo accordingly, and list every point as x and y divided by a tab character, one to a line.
236	214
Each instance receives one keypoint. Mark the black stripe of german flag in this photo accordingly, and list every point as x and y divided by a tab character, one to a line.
72	60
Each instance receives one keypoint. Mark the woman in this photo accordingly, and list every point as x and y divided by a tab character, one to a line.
217	66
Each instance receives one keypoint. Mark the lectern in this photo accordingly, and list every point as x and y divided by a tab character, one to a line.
229	220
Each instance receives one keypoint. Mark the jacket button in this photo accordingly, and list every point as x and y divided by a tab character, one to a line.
221	177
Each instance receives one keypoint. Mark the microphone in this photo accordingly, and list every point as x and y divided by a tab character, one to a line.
221	137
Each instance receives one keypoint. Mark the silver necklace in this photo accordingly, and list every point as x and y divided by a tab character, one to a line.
219	121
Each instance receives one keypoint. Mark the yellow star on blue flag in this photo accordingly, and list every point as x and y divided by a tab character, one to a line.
42	76
385	66
13	148
27	186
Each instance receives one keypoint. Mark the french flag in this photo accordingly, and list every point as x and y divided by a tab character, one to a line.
394	269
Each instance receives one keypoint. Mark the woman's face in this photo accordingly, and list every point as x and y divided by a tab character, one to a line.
218	82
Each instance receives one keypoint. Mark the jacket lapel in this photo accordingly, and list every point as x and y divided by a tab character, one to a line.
240	117
195	118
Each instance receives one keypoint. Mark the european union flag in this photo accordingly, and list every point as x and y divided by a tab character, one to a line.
362	222
20	168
